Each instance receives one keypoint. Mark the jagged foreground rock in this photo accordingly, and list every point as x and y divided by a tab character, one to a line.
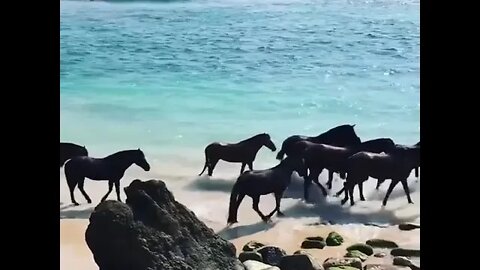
154	232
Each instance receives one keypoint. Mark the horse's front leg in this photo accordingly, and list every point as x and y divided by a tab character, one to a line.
278	198
256	201
250	165
389	191
360	189
243	167
117	189
110	187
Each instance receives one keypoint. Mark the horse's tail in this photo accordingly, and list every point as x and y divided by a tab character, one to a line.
280	154
233	207
206	163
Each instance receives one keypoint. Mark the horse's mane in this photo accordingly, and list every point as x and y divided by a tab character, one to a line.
254	137
336	129
121	153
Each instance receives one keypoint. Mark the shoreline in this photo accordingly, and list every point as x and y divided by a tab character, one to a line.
286	234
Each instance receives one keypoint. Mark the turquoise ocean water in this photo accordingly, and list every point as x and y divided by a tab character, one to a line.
172	77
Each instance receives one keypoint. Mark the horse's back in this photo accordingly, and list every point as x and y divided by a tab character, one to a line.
378	145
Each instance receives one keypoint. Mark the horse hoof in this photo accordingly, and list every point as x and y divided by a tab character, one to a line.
280	214
362	199
89	201
343	202
76	204
410	202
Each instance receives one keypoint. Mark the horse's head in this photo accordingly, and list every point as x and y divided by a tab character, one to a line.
267	142
140	160
343	135
295	164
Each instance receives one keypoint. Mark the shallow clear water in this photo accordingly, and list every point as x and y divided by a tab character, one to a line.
172	77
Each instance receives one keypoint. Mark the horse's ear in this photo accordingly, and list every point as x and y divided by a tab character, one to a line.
138	149
354	125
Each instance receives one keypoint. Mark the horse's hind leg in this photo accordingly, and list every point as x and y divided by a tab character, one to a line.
407	190
360	189
379	182
110	187
80	186
117	189
250	165
330	179
314	174
256	201
350	193
211	166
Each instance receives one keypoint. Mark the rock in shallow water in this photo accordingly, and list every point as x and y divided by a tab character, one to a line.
333	262
381	243
252	245
153	231
405	252
334	239
408	226
254	265
401	261
364	248
299	261
313	244
271	255
356	254
250	255
380	267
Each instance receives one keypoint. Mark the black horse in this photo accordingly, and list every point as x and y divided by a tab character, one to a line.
395	165
243	152
70	150
256	183
322	156
110	168
417	166
342	135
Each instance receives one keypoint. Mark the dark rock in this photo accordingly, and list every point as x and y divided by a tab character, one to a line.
405	252
271	255
300	261
380	254
250	255
356	254
336	262
408	226
364	248
334	239
380	267
313	244
301	251
315	238
153	231
252	245
254	265
381	243
342	268
401	261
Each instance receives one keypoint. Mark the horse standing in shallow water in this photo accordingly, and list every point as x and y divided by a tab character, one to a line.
395	165
243	152
110	168
70	150
262	182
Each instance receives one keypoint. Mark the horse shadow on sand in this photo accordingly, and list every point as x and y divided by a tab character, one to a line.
69	212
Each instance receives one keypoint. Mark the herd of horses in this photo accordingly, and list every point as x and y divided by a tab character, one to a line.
338	150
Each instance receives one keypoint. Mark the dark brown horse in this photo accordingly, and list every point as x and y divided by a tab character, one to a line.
70	150
342	135
110	168
395	165
322	156
262	182
242	152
